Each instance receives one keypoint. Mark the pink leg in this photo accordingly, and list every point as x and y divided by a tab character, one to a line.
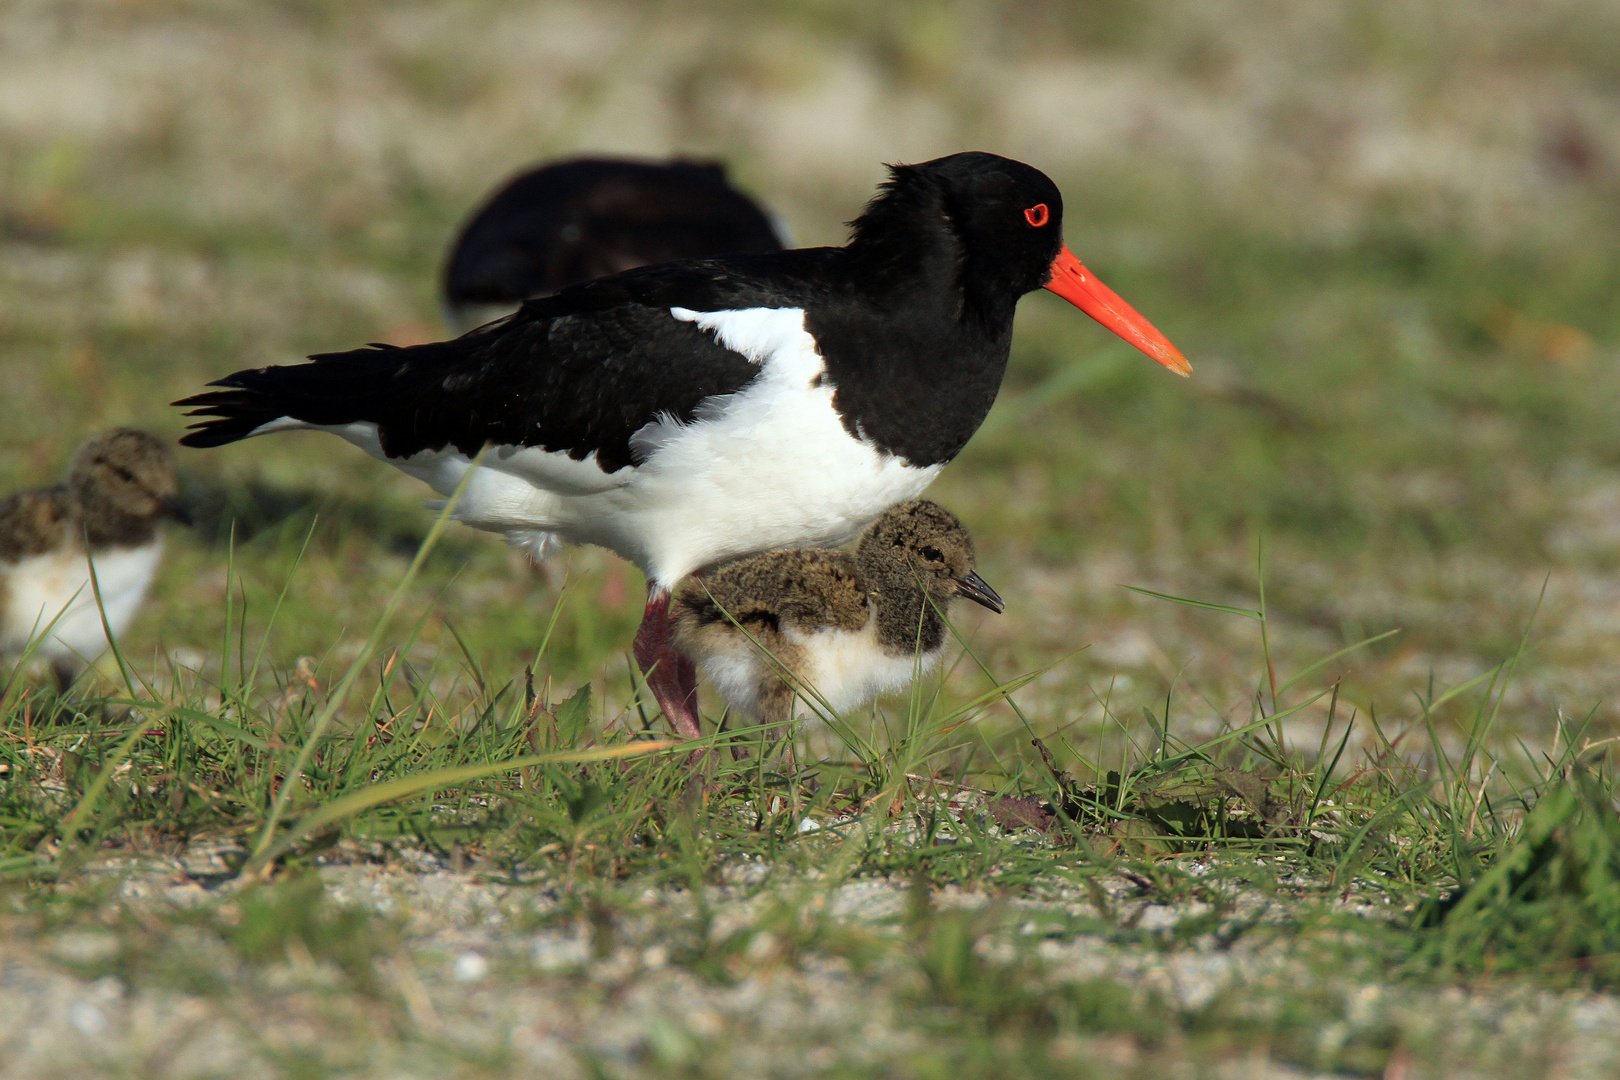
670	676
686	668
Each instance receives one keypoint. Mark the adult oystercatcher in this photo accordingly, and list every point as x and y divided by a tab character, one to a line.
120	486
850	626
586	218
686	414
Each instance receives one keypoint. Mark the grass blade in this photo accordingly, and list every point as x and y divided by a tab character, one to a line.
390	790
1245	612
335	701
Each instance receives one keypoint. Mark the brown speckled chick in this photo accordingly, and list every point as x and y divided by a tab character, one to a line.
119	486
852	626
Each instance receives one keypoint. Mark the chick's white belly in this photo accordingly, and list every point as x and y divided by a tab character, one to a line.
42	587
844	668
737	671
849	669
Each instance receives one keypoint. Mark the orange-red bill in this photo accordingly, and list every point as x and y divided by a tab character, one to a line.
1080	287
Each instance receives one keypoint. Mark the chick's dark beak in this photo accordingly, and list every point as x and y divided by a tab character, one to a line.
173	509
975	589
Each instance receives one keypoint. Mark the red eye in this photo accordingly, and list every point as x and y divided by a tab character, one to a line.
1037	215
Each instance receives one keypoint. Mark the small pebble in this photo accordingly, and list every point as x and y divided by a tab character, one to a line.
470	967
87	1019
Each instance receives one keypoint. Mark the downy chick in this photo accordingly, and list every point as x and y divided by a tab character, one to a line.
120	485
851	626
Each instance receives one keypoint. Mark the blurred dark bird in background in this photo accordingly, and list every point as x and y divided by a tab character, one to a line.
586	218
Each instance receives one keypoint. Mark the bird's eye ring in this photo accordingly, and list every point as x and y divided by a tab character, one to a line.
1037	215
932	554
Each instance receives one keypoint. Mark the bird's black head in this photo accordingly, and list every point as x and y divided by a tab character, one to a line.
999	221
1008	215
995	226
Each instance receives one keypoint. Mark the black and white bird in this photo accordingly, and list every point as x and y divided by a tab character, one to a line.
686	414
844	627
571	221
119	488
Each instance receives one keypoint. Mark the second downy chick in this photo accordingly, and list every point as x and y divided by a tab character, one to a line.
852	626
120	485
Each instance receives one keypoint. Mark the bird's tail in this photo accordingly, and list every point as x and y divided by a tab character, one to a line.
334	388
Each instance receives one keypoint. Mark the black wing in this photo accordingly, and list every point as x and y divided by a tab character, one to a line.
578	372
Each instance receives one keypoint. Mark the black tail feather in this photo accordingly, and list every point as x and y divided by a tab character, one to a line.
334	388
238	413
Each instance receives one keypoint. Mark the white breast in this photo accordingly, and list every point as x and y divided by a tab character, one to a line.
736	669
846	668
42	587
768	466
850	670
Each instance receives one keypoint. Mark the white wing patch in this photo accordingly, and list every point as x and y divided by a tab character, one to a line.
773	338
515	489
280	423
756	333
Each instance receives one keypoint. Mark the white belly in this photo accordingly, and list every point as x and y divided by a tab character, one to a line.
769	466
846	668
775	469
736	672
766	467
850	671
56	586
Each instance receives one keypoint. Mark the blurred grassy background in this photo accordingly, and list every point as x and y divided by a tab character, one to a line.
1384	232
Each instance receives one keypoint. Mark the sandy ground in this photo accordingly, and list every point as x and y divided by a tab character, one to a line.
482	977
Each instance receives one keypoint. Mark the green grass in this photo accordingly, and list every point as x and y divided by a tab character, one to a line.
482	775
452	759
